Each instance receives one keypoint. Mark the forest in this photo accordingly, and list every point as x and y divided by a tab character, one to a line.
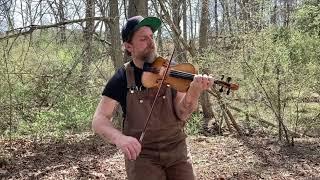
56	57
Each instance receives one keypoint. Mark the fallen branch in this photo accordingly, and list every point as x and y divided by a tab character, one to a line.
224	108
263	122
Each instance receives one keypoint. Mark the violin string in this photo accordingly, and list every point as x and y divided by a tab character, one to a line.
182	74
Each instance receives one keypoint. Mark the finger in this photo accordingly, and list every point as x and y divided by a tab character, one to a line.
211	81
127	153
132	151
138	146
205	81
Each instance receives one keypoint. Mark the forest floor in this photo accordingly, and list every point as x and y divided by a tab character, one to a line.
86	156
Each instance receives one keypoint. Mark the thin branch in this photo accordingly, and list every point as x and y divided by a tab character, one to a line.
29	29
175	30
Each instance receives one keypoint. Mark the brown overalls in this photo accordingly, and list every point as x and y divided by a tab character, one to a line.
164	151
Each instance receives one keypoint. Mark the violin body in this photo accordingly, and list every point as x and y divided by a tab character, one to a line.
178	76
152	78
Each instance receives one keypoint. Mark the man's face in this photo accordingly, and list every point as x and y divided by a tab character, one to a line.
142	45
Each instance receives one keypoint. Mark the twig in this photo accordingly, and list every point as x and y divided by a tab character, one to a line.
29	29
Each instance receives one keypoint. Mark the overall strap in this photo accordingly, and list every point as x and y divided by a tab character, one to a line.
131	83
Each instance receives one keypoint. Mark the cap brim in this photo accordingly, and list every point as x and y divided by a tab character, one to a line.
153	22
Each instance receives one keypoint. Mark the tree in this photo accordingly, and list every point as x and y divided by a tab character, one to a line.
88	44
115	52
203	44
138	7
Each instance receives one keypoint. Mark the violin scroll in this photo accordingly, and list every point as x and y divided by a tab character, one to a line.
226	84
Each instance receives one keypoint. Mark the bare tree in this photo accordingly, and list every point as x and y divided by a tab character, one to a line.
116	54
203	44
138	7
88	40
274	13
176	18
191	20
288	4
184	18
216	21
61	13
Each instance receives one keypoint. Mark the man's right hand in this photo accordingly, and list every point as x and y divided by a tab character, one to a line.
129	146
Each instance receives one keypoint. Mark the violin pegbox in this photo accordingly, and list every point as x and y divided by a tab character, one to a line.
226	84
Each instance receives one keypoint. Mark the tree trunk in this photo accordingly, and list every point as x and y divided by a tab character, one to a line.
6	9
116	54
176	17
227	14
87	50
287	12
244	14
185	19
216	21
203	44
138	7
191	21
62	30
159	34
274	13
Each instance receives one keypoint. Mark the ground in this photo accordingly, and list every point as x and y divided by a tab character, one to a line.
86	156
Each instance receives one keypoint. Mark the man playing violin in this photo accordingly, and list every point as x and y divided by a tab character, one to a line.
162	154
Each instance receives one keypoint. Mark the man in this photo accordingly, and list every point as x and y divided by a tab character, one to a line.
162	154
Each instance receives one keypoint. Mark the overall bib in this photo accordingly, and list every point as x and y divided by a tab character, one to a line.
164	153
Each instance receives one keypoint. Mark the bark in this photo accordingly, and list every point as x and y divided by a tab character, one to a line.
116	54
62	28
227	14
288	5
176	18
138	7
7	11
274	13
191	20
185	19
87	49
203	44
216	21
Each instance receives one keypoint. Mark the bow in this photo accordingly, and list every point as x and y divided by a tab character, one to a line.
155	99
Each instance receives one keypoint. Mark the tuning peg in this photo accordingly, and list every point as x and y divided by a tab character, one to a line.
221	89
228	92
228	79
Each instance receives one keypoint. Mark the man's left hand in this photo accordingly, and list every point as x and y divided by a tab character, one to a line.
201	83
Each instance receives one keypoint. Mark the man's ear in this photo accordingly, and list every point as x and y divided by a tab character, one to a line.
128	46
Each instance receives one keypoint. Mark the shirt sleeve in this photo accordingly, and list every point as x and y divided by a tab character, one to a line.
116	87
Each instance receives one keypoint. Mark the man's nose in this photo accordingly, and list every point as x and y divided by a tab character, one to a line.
151	41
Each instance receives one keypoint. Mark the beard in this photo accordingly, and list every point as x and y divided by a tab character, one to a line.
148	55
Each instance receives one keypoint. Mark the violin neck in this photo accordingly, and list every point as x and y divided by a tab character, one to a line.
189	76
181	74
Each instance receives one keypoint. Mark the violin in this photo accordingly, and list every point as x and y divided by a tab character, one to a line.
178	76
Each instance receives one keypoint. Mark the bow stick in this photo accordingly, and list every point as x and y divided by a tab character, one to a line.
155	99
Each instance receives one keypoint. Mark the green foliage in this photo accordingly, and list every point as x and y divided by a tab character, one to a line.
308	17
194	124
45	86
71	115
